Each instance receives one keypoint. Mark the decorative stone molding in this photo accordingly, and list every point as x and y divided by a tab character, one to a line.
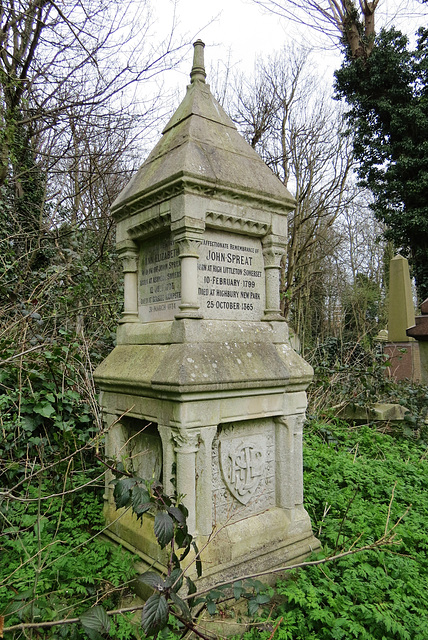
272	257
153	226
188	247
186	441
234	223
242	464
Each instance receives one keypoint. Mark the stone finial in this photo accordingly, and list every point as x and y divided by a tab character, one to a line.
198	69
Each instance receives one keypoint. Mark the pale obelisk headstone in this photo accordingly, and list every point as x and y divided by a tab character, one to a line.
402	350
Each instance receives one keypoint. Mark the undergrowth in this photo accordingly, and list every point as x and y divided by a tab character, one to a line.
349	374
53	563
357	480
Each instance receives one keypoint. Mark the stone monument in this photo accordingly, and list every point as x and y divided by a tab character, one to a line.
419	331
203	390
401	348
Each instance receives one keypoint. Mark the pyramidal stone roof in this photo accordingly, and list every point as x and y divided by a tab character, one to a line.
201	146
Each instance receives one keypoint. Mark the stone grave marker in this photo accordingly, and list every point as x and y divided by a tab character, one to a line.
203	390
419	331
401	348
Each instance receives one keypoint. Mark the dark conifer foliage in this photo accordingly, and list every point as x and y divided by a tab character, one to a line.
388	115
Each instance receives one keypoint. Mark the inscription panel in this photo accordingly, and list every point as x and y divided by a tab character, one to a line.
230	277
159	280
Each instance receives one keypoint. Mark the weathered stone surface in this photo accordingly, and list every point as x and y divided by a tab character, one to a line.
201	143
404	360
401	310
400	347
377	412
420	333
203	376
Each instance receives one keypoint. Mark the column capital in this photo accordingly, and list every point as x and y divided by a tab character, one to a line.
188	247
186	441
128	252
272	254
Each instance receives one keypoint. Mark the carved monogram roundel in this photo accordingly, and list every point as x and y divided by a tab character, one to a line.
242	465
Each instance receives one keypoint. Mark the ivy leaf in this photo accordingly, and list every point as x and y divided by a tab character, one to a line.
182	538
95	622
175	578
253	607
45	409
153	580
140	496
191	587
140	501
155	614
255	603
163	528
238	589
211	607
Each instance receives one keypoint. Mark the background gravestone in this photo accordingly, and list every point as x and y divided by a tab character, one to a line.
203	390
402	349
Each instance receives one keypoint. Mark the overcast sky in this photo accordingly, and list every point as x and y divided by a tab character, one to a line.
240	31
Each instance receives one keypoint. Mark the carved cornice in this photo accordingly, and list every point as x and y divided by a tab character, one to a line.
152	226
193	184
235	223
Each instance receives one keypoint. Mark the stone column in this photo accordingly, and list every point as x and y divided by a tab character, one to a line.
115	449
289	461
186	447
188	246
272	254
284	470
128	252
298	421
168	458
204	488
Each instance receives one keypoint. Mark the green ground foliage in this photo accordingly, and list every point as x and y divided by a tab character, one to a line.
360	481
53	563
350	478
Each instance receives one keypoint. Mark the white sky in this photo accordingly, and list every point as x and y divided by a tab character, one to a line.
240	30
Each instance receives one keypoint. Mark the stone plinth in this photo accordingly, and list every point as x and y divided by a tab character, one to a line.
203	391
404	360
419	331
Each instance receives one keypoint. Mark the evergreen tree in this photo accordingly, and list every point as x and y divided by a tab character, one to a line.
388	116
